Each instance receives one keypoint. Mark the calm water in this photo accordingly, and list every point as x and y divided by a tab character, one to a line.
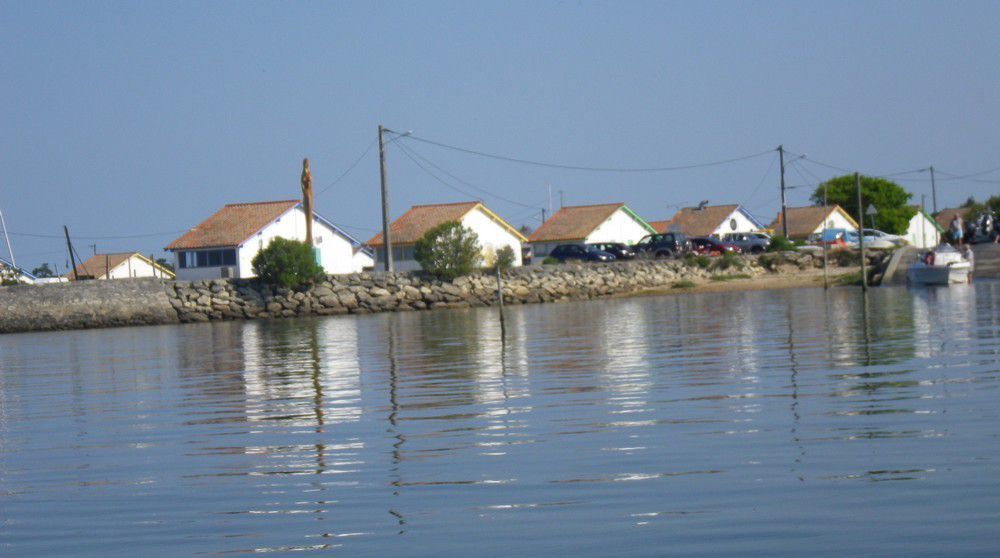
763	423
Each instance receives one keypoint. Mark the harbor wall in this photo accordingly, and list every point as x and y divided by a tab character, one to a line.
92	304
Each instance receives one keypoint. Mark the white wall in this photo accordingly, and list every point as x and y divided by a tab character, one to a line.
835	220
335	251
363	260
132	267
743	225
492	237
619	227
922	233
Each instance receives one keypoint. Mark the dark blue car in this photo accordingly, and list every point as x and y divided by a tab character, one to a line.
578	252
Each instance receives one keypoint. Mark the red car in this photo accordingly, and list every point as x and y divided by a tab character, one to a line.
712	247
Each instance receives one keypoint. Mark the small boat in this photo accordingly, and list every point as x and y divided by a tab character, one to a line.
941	266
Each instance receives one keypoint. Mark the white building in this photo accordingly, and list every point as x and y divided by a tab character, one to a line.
225	244
587	224
809	220
710	220
494	233
923	231
10	273
122	265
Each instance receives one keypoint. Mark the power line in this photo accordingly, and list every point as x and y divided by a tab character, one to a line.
585	168
118	237
350	168
467	183
763	178
406	152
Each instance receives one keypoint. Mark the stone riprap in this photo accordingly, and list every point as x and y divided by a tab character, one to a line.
84	304
363	293
90	304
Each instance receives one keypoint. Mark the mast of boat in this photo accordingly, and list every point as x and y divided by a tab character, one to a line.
6	239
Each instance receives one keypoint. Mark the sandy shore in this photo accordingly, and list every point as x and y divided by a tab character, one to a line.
767	281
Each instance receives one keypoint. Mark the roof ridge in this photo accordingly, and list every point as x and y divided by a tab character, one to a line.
592	205
261	203
443	204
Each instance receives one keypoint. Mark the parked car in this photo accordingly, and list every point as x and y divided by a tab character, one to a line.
750	243
834	238
618	249
878	239
712	247
580	252
666	245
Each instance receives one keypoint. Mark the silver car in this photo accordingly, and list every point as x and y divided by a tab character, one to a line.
749	243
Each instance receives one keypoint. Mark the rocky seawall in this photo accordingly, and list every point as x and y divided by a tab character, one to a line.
146	301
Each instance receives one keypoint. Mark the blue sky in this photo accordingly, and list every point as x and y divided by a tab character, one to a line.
136	119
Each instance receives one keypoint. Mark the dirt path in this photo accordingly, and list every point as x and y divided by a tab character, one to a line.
767	281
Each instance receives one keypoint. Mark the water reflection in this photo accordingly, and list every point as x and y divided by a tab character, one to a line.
691	417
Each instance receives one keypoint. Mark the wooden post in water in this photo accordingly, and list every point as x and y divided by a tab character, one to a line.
826	248
861	234
503	328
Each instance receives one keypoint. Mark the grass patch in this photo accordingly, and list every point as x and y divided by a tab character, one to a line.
725	261
698	260
849	279
731	277
682	284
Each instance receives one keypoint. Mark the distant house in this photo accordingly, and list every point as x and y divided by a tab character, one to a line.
122	265
494	233
610	222
945	216
224	244
11	273
923	231
804	221
711	220
660	226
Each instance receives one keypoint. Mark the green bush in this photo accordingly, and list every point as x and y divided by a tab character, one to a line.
505	258
697	260
732	277
684	284
845	257
448	250
287	263
725	261
549	260
781	244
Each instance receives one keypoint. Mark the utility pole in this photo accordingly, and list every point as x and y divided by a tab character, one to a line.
933	190
784	210
549	186
560	199
923	221
543	215
861	236
6	238
69	246
386	239
93	248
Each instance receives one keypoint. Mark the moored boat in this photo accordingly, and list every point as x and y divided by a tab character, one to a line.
943	265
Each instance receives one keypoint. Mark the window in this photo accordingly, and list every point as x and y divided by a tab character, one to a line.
206	258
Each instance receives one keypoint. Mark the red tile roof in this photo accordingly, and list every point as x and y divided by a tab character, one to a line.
700	222
660	226
802	221
573	222
421	218
232	225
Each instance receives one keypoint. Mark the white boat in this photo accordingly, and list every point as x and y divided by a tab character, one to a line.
941	266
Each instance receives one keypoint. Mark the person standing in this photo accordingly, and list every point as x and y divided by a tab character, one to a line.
957	229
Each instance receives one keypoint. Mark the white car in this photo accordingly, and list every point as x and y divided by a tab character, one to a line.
875	238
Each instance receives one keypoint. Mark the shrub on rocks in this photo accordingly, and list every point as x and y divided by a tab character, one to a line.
781	244
448	250
287	263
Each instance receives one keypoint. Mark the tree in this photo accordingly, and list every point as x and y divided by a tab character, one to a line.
287	263
448	250
43	271
162	262
505	257
890	200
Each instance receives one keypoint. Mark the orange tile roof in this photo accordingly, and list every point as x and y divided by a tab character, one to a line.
232	225
573	222
700	222
945	216
802	221
660	226
422	218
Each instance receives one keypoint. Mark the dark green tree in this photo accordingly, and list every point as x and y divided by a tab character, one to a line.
889	198
43	271
505	257
162	262
448	250
287	263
